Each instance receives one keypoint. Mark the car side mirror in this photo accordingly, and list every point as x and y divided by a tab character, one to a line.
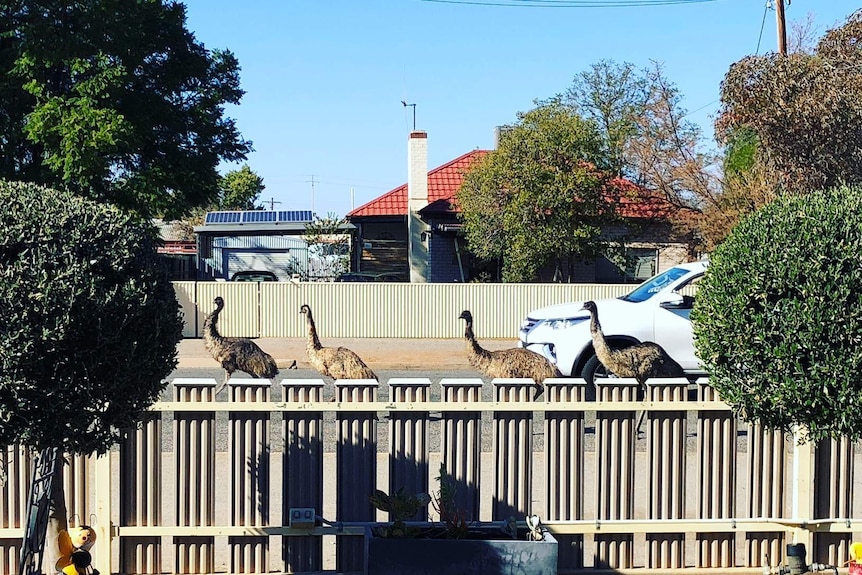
672	301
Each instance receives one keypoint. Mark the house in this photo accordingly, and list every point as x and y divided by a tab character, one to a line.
383	228
414	229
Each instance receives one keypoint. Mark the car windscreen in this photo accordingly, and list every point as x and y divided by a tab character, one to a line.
654	285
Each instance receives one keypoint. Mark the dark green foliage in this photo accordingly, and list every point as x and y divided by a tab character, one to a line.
89	327
778	317
401	506
116	101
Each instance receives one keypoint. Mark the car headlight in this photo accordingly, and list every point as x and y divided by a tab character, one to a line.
564	323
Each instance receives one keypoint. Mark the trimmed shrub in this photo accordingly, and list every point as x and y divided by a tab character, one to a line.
778	316
89	324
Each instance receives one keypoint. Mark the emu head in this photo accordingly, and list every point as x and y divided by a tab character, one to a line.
305	309
219	302
590	306
466	315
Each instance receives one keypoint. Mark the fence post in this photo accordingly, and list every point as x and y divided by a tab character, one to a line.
766	464
302	470
249	445
194	458
666	436
513	451
356	467
408	440
461	442
564	466
615	471
716	449
141	495
102	507
16	460
833	497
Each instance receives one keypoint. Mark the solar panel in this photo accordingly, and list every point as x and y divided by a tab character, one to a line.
295	216
258	216
222	217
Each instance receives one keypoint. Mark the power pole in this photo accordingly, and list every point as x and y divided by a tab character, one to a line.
272	203
312	192
782	30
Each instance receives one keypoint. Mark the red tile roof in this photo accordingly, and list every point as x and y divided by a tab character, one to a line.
443	182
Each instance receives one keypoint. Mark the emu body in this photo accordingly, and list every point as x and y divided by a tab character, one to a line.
335	362
236	353
640	361
507	363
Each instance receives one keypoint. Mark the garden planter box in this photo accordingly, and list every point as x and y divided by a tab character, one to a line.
488	552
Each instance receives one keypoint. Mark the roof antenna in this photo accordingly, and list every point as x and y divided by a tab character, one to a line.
414	113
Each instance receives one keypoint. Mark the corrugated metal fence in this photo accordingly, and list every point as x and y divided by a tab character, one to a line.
207	486
384	310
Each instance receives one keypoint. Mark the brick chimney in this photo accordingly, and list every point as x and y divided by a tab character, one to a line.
418	232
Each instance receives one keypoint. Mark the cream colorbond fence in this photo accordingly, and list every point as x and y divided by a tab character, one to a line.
375	310
206	486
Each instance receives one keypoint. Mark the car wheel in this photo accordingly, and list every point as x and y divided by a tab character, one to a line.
593	369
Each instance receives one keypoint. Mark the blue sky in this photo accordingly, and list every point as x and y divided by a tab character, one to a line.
325	79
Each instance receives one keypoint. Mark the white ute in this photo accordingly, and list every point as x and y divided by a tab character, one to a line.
657	310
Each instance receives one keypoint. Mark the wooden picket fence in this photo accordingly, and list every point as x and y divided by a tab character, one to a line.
208	486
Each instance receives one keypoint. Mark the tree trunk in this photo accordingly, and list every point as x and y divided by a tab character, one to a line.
58	517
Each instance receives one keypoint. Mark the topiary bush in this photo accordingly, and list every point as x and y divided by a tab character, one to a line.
89	324
778	316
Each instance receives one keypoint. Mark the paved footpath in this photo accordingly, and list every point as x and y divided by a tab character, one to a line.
381	353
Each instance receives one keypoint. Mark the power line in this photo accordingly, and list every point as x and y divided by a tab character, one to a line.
569	3
759	38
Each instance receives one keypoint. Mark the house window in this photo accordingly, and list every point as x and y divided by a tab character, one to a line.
634	265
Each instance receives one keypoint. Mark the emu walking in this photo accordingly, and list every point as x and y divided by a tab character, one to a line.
336	362
640	361
507	363
236	353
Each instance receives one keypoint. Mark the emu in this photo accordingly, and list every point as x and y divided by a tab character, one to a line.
640	361
236	353
507	363
336	362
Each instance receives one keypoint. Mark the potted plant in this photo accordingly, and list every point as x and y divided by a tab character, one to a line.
453	544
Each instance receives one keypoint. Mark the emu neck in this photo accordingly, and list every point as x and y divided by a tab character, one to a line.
210	330
603	350
477	354
313	341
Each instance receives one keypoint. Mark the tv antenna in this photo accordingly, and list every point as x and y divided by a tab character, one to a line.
414	112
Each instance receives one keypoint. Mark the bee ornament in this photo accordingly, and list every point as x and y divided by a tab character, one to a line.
75	544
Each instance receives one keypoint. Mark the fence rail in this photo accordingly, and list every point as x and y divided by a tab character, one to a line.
698	492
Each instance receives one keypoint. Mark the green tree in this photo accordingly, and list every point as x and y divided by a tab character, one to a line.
541	197
90	325
240	190
115	101
778	316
